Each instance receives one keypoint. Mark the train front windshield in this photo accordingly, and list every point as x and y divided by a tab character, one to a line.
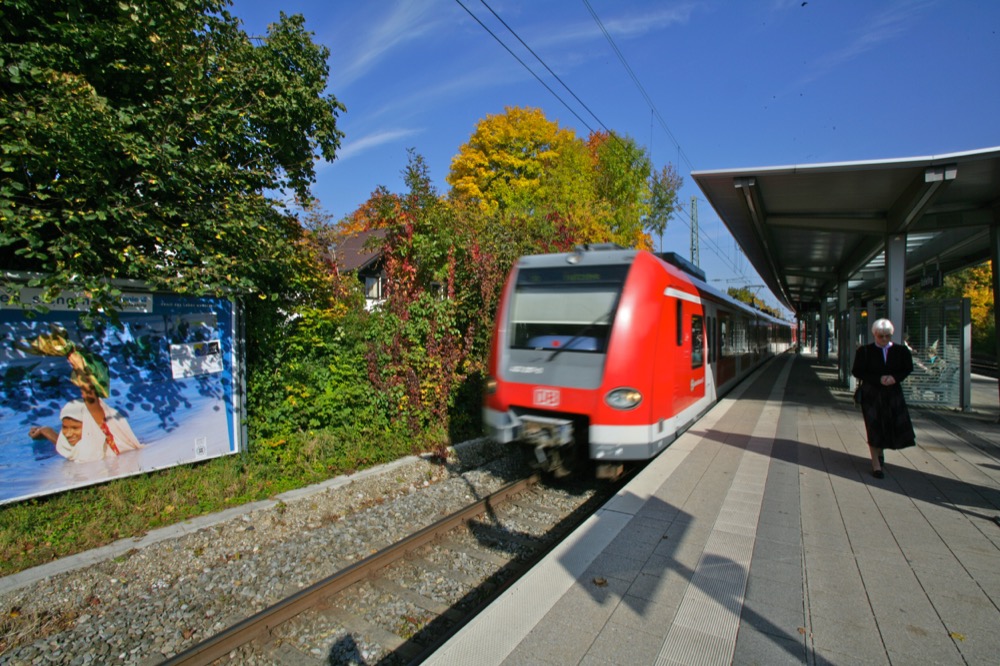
569	308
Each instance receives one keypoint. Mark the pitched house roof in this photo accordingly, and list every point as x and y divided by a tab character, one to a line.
353	252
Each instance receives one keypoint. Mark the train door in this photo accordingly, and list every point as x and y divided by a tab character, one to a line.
711	349
689	343
726	363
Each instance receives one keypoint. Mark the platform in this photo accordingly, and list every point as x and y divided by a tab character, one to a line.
761	537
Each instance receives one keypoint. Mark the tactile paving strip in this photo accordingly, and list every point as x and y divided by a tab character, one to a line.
704	629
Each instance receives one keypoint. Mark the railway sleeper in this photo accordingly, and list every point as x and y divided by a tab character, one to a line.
486	555
423	564
393	588
387	640
285	654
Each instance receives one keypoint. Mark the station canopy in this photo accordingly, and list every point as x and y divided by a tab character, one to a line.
806	229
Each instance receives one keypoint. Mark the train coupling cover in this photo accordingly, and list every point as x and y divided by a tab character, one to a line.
544	432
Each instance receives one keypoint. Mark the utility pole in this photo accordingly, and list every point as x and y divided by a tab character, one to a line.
694	232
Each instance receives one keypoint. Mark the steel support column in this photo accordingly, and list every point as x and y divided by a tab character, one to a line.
995	256
824	332
845	350
895	283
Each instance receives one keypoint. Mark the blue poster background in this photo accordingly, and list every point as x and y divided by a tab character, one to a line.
171	376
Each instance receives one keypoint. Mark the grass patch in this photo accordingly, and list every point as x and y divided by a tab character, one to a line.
48	528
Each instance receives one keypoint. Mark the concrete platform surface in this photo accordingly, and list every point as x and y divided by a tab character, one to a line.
761	537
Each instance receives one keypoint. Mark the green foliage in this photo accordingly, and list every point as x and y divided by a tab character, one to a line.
974	283
418	340
313	381
623	173
745	295
664	186
187	124
524	171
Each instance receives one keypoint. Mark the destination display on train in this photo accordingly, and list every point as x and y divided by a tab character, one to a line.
570	275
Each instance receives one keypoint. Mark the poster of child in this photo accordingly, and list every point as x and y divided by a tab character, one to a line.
84	400
91	429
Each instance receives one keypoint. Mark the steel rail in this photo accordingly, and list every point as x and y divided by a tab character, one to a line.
261	623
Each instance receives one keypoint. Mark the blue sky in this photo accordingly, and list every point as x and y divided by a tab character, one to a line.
725	84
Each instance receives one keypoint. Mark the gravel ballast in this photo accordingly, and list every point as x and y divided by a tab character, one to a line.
139	601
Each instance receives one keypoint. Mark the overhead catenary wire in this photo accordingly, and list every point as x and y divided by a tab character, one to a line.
525	65
685	218
659	118
638	84
537	57
547	68
563	83
711	244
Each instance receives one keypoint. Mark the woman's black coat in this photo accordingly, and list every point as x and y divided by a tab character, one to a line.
887	420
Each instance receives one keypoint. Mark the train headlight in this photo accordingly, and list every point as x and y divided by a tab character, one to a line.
623	398
491	386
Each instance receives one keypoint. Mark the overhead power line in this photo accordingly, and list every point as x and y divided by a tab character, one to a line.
638	84
547	68
691	224
523	64
685	218
712	245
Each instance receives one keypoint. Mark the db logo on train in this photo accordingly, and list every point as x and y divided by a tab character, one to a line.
546	397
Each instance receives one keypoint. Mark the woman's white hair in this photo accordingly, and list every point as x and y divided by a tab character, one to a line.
883	326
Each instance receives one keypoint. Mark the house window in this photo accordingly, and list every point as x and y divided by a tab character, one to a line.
373	288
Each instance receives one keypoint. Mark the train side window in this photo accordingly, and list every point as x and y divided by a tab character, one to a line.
680	322
708	337
724	350
712	335
697	341
715	338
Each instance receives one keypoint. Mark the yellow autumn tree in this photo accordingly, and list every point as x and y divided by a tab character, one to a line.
520	168
975	284
980	293
516	161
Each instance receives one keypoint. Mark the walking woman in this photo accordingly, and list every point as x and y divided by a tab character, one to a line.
881	367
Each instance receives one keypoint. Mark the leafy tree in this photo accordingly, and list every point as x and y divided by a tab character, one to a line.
418	340
975	283
663	186
511	162
544	180
622	169
140	141
745	295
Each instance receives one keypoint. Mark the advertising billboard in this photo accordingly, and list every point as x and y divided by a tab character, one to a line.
87	399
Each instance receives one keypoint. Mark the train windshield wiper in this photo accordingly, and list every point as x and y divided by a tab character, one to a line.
603	319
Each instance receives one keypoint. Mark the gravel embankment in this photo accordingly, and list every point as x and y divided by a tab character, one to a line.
136	603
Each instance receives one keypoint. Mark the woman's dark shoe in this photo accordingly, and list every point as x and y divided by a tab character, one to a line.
878	474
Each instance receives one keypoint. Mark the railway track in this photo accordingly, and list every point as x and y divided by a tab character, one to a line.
399	604
984	366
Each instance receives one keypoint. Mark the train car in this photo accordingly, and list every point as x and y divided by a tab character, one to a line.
608	354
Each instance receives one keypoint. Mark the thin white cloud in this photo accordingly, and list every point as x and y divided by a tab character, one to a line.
406	22
433	94
636	26
623	27
354	148
883	27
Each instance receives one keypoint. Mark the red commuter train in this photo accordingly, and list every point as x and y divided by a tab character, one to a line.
608	354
